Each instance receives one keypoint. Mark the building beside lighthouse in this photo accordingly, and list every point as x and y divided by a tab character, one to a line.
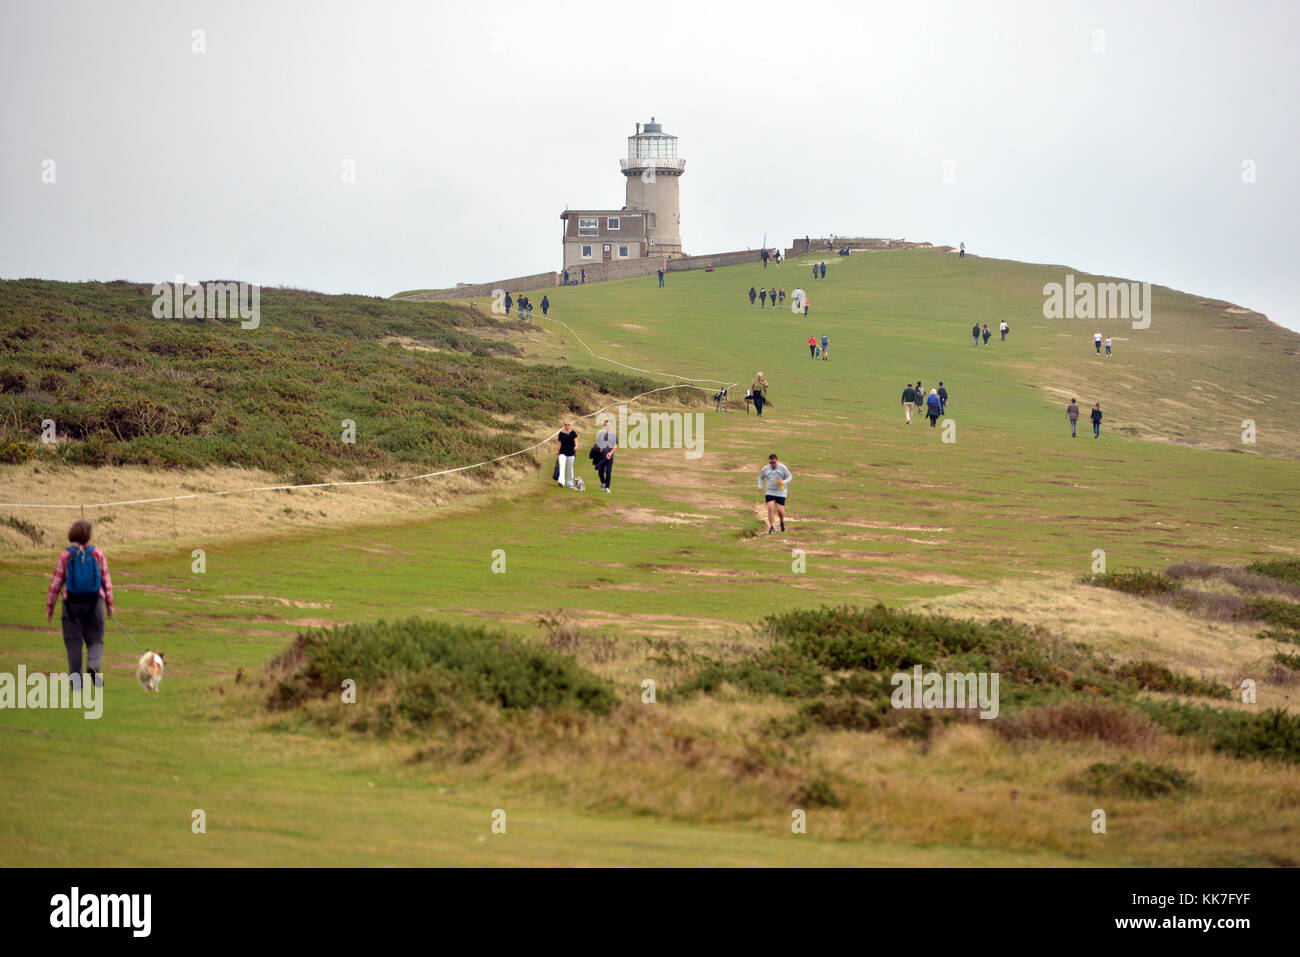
648	224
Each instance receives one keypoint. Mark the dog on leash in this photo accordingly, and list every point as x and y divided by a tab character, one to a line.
150	670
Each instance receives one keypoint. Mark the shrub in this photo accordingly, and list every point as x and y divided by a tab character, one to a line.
1079	721
1286	570
1139	582
25	527
418	672
1149	676
1275	611
1272	734
1136	779
1291	661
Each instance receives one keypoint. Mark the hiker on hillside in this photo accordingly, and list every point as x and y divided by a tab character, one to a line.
759	391
806	303
584	274
933	407
826	347
918	399
661	279
823	270
807	244
546	304
1108	346
986	333
812	347
1004	328
798	295
1096	341
568	440
1096	420
1072	413
962	253
606	443
752	296
762	298
975	331
509	304
909	400
81	577
943	398
774	479
529	304
782	291
764	258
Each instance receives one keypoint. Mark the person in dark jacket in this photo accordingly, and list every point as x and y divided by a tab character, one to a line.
1096	420
546	304
81	577
759	391
975	331
823	270
920	396
509	304
943	398
814	270
986	333
762	299
934	408
752	296
909	400
661	279
603	454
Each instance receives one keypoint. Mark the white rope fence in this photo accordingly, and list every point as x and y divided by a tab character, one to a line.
409	478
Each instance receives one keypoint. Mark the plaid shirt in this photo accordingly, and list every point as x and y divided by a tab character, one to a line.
61	573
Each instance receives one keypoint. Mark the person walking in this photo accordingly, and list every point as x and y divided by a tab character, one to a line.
943	398
962	253
568	450
986	333
566	277
546	304
584	274
81	578
764	258
823	270
759	391
826	347
806	303
752	296
814	271
909	400
606	443
661	279
1096	341
934	408
774	481
782	291
807	244
1096	420
1072	413
529	304
509	304
812	347
762	298
975	331
1004	329
1108	347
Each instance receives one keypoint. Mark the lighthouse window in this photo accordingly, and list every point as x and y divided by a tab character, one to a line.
586	250
613	222
622	251
588	227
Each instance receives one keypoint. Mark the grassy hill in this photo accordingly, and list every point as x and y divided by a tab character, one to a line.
1113	699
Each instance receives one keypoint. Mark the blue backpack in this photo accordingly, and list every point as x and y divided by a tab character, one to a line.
83	576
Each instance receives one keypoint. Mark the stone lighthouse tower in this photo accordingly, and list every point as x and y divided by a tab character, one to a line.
653	171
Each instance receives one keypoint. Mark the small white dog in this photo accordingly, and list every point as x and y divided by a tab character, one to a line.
150	670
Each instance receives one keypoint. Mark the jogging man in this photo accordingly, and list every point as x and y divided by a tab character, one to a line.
774	479
1072	412
606	443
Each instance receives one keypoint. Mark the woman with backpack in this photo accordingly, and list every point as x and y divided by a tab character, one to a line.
934	408
81	577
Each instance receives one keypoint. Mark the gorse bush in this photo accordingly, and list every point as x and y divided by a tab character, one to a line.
1139	582
1273	734
1285	570
414	673
189	393
1130	779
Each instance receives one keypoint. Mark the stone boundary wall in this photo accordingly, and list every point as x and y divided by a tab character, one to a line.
462	290
853	243
682	263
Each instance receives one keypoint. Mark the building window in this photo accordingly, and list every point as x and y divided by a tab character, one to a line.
612	222
586	250
622	251
588	226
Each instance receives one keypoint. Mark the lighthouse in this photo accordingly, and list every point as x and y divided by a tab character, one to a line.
653	171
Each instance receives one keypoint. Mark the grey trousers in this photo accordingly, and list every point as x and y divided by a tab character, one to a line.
83	622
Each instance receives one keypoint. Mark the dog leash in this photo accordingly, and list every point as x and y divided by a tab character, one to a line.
128	634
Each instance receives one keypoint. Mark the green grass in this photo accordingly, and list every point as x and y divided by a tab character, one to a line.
882	511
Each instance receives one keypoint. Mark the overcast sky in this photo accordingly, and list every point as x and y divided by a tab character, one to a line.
472	125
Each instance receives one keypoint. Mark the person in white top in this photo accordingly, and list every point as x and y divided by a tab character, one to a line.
1005	329
774	479
1108	346
1096	340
